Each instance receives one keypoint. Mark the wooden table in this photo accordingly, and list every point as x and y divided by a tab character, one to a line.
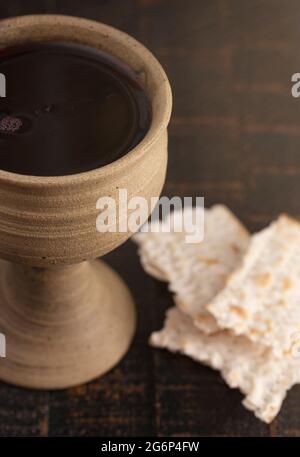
235	139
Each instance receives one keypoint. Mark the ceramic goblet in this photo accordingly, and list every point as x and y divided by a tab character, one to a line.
69	318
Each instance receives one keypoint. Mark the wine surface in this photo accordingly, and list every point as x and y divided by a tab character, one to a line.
68	109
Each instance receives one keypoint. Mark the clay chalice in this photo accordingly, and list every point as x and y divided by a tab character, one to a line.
67	317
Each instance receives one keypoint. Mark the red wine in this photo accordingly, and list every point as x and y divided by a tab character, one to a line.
68	109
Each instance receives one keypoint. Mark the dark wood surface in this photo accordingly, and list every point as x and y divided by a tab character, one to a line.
235	139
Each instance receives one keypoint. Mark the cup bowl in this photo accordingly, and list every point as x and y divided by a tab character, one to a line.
52	220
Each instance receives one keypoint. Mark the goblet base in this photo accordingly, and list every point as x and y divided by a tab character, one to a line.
64	326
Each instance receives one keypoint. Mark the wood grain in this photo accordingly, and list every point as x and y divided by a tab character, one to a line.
234	138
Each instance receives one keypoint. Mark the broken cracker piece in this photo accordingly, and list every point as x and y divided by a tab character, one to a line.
263	378
196	272
262	298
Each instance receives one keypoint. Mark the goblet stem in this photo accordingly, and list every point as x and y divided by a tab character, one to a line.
63	325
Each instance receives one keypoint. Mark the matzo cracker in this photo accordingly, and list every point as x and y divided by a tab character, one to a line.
262	298
263	378
195	272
